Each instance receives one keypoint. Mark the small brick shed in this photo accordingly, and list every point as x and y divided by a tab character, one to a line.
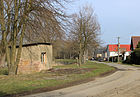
35	57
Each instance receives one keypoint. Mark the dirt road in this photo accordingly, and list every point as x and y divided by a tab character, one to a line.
123	83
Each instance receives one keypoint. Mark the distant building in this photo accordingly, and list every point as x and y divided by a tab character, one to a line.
100	53
112	51
35	58
134	42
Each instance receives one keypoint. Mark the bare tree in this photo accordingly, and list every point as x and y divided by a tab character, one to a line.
18	18
84	30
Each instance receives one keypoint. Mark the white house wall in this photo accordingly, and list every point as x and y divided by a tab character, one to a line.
113	54
127	53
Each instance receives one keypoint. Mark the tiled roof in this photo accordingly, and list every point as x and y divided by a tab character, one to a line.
123	47
134	41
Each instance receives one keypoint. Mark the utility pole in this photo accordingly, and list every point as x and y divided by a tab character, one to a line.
118	48
112	51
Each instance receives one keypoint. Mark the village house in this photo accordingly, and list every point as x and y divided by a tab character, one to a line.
134	42
112	51
100	53
35	57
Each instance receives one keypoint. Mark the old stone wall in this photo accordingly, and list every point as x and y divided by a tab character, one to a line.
31	59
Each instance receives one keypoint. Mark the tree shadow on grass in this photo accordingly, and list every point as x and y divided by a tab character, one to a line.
2	94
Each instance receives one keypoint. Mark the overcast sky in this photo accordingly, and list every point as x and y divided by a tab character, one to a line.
116	17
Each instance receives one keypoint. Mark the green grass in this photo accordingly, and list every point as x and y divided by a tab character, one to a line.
21	83
3	71
65	61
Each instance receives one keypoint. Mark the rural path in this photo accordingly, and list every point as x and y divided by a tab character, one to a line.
123	83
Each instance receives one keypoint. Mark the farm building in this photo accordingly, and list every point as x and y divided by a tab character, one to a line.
35	58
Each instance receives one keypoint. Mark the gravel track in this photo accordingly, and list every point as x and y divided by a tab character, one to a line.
123	83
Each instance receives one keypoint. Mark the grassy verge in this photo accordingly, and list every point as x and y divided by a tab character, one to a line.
65	61
47	80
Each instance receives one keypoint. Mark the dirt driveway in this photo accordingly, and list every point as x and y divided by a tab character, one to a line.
123	83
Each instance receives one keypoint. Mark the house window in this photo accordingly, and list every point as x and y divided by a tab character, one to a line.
43	56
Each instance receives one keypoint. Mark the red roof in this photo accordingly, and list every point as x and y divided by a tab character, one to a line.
123	47
134	41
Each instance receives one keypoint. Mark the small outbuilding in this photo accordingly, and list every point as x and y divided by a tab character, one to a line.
35	57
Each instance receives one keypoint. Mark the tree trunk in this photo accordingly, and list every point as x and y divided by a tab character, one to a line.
20	48
84	57
4	41
16	53
2	61
12	68
80	55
